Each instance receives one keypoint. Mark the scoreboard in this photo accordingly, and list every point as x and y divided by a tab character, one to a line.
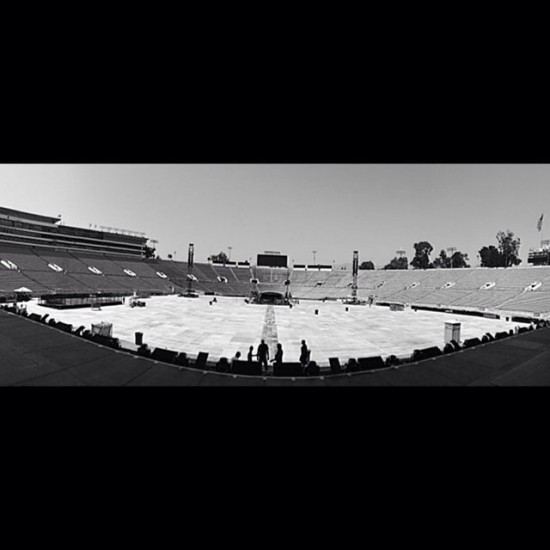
272	260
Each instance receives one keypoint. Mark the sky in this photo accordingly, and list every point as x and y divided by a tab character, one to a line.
293	208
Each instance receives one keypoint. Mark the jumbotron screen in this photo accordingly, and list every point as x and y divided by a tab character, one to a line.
272	260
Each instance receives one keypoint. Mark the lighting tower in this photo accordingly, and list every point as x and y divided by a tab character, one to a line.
355	273
353	300
190	258
287	285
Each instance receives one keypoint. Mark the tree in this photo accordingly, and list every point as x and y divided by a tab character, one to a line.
366	265
443	261
508	246
491	257
220	258
398	263
149	252
505	255
457	260
421	258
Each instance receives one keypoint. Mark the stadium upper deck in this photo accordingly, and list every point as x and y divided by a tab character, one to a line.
27	229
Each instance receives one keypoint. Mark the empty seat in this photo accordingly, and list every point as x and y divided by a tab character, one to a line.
247	369
288	369
200	363
165	355
335	367
371	363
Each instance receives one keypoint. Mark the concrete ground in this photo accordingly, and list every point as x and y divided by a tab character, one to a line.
231	325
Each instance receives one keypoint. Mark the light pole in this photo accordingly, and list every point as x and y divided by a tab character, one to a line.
230	248
314	253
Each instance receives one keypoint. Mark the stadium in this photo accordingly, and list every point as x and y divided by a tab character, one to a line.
97	307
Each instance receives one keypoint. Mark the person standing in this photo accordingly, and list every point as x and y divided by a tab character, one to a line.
304	354
263	354
250	354
279	355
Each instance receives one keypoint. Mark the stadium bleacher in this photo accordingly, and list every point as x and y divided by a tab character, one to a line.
101	262
532	302
139	267
409	296
10	280
233	286
67	261
437	287
491	298
474	279
176	271
446	296
241	274
518	279
23	257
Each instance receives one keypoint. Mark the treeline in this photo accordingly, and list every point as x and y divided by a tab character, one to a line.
504	254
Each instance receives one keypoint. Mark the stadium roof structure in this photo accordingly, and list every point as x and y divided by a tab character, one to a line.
19	214
36	354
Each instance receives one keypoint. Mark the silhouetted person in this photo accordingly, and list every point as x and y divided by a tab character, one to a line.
236	358
250	354
278	355
304	354
263	354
